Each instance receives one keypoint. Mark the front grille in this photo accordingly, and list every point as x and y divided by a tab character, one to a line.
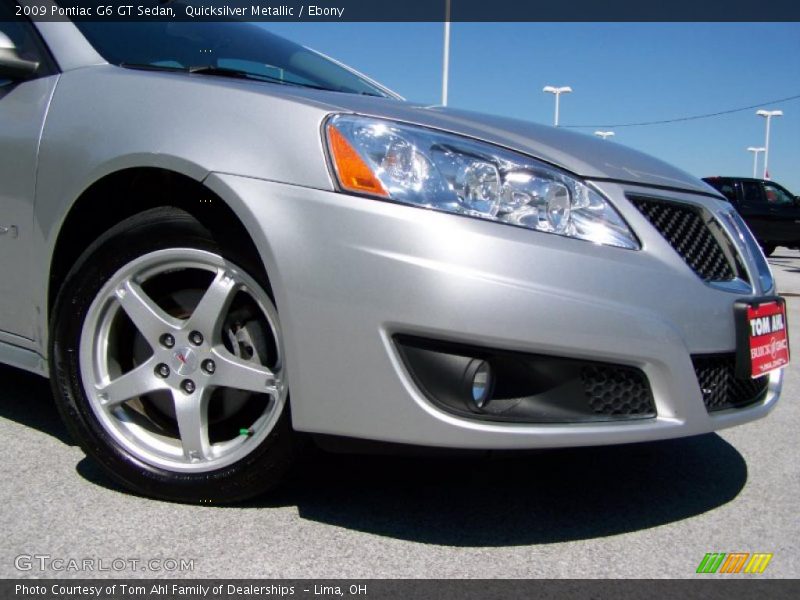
721	388
685	230
617	391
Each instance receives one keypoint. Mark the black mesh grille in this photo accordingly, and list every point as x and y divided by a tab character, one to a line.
721	388
617	391
683	227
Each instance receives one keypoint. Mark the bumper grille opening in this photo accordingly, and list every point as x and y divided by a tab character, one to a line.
617	391
721	388
525	388
685	229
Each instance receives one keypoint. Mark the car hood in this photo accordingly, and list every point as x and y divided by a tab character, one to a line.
584	155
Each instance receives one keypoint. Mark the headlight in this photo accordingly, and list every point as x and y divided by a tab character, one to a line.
446	172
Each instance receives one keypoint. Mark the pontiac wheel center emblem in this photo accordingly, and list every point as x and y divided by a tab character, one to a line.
184	361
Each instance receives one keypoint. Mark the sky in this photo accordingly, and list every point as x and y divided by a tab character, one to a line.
619	72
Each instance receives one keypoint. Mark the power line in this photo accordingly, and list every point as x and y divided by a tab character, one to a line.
692	118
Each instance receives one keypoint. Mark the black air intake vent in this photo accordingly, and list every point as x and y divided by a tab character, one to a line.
721	388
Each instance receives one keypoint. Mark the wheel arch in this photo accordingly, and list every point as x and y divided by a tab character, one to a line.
134	190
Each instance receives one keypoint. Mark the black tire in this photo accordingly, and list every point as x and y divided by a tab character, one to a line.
156	229
768	249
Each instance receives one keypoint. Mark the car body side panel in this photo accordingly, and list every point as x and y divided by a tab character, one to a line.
160	120
22	114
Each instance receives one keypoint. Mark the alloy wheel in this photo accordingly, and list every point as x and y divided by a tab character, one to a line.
182	361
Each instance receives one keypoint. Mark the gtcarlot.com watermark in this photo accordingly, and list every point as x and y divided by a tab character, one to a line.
61	564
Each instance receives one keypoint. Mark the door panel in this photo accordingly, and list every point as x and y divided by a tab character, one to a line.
23	107
22	112
755	211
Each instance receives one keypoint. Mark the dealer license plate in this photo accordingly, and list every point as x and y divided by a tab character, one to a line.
762	336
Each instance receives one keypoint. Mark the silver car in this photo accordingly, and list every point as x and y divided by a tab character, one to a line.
216	242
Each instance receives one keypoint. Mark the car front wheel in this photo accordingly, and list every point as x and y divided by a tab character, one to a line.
167	363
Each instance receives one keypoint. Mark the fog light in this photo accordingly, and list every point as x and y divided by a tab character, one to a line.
482	382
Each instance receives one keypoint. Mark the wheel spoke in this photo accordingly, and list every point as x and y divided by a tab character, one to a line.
146	315
137	382
213	306
191	411
233	372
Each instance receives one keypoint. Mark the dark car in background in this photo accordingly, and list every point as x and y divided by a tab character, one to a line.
769	209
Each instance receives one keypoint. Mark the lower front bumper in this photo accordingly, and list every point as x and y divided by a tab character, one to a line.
349	273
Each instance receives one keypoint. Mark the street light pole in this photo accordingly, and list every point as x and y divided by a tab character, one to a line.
446	60
604	134
768	114
557	91
755	152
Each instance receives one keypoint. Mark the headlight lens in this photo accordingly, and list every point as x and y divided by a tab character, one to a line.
446	172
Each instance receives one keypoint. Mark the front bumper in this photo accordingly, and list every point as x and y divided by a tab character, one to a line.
348	273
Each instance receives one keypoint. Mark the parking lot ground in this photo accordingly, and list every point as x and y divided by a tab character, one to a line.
642	511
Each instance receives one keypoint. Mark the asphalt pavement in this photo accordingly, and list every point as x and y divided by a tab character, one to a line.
641	511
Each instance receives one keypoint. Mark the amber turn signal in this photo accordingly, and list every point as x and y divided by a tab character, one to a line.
354	174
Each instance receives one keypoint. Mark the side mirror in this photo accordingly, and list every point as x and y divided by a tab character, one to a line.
797	200
12	66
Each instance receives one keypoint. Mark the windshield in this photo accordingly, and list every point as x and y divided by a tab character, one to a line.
246	48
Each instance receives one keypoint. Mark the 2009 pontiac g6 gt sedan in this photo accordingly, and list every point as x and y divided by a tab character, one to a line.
215	241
